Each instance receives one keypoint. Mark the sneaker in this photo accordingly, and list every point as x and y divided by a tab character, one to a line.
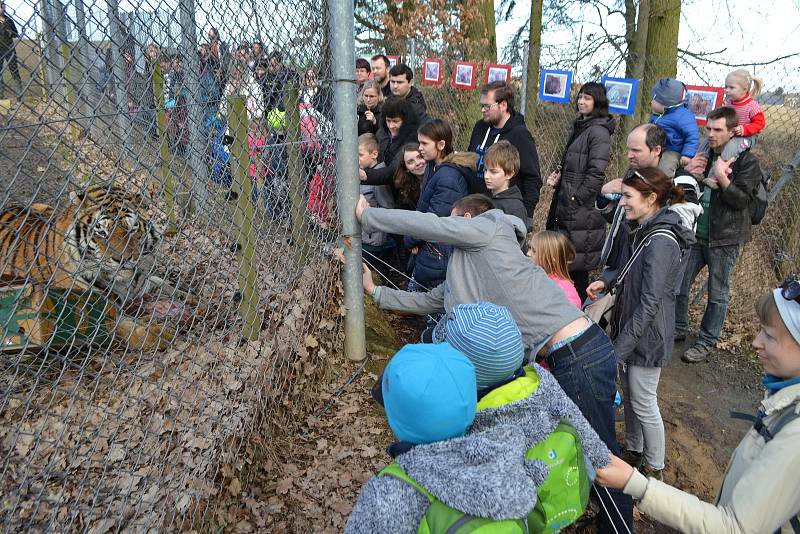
632	458
696	354
652	472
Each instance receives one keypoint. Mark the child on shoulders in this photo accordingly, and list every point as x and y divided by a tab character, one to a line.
674	117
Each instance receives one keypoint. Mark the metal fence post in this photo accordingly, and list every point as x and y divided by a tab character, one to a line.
342	44
197	141
243	216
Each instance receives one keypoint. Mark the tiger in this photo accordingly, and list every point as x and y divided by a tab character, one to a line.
103	242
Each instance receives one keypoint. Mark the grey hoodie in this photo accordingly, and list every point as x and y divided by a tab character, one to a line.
538	414
483	474
486	265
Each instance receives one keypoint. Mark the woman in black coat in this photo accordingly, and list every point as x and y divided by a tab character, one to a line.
578	181
370	102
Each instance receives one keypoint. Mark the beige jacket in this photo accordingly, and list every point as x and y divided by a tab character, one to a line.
761	489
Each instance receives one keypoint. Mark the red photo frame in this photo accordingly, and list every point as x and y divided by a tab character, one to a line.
702	99
465	75
494	70
393	60
432	71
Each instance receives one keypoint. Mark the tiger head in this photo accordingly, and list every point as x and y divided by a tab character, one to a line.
112	227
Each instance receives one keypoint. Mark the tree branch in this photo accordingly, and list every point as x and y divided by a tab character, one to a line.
704	56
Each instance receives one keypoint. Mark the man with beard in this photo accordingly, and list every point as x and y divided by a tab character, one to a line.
380	73
502	121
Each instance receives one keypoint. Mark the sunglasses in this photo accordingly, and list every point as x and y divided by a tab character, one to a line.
642	178
790	290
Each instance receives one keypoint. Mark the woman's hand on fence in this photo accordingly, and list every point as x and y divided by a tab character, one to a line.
366	279
361	205
554	178
595	288
615	475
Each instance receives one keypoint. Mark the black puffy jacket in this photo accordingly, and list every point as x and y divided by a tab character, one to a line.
365	126
583	170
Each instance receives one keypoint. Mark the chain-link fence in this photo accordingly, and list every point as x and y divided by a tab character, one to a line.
169	276
774	251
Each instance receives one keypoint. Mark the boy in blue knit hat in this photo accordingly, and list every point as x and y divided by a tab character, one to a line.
673	116
429	393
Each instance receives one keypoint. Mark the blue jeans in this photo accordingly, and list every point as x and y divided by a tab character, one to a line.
720	262
588	375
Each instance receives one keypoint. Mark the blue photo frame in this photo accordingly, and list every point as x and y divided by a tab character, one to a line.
622	94
554	85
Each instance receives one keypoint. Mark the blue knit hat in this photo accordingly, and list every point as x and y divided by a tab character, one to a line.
429	393
669	93
488	336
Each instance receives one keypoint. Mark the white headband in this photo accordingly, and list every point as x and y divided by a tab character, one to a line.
790	313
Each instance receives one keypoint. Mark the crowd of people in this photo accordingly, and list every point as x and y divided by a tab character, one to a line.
508	306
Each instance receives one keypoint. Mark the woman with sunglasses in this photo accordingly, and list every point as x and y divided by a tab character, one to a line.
761	489
643	321
578	181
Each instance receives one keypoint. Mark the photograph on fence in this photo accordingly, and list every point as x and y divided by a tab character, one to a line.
703	99
554	85
432	71
495	72
621	94
464	75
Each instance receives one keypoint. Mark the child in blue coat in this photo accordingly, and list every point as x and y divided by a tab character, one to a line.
671	113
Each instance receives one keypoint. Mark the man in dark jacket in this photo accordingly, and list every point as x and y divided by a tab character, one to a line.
401	80
501	121
8	53
274	81
722	229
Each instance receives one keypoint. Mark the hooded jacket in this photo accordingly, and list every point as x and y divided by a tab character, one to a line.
417	101
528	179
442	185
510	201
644	315
759	493
483	474
390	148
486	265
683	135
583	170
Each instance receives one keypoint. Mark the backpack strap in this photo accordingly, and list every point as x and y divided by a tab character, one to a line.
395	471
642	244
768	432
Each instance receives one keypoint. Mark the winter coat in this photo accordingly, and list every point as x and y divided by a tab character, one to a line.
442	185
759	493
528	179
730	208
365	126
417	101
583	170
390	148
8	32
486	265
274	88
643	324
538	413
510	201
683	135
378	196
482	474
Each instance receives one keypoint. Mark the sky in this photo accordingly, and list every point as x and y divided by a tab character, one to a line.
747	31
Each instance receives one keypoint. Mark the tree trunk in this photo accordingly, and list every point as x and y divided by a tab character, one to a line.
478	26
534	53
661	49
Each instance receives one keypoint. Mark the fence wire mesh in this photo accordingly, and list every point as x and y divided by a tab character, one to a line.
168	226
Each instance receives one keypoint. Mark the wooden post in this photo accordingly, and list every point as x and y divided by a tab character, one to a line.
297	178
163	148
243	217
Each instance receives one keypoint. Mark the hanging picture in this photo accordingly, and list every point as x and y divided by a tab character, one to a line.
495	73
464	74
702	99
621	94
432	71
393	60
554	85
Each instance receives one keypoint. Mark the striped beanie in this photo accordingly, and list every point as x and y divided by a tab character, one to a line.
487	335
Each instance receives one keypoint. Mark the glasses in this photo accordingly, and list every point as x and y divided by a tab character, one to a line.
487	107
790	290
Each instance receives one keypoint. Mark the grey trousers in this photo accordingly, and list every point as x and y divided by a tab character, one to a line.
644	428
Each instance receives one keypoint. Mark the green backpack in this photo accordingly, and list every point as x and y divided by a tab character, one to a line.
562	498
